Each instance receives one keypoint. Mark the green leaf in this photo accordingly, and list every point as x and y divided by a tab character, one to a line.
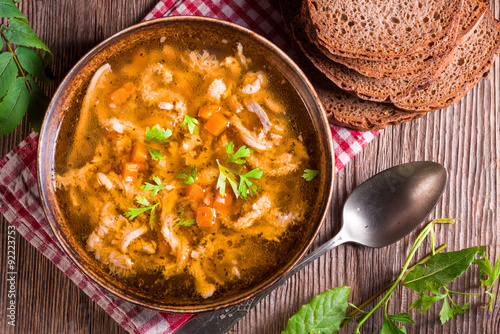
310	174
426	301
189	177
186	222
458	309
402	317
134	212
246	185
37	106
157	134
154	153
191	124
21	34
485	268
32	63
441	269
13	106
226	174
8	72
446	313
152	187
8	10
243	152
323	314
389	327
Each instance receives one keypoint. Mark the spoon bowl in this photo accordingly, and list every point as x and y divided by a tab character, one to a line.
389	205
381	211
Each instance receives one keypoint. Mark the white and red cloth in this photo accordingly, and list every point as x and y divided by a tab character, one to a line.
20	202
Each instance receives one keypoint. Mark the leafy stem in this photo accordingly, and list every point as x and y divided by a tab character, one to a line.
18	64
461	293
385	299
359	308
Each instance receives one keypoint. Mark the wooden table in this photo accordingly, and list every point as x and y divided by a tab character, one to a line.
465	138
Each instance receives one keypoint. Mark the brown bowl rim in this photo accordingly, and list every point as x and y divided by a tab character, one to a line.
44	182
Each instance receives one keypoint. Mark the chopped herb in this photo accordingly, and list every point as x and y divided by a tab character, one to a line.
191	124
246	185
310	174
134	212
243	152
226	174
182	221
153	188
156	135
186	222
190	178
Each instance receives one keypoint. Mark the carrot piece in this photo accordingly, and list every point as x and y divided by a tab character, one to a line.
130	170
121	94
206	111
139	153
223	203
195	192
216	124
205	216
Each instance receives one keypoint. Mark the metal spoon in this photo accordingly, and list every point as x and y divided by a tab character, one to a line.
381	211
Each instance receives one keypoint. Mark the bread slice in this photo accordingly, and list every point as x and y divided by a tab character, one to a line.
382	30
344	109
368	88
473	11
471	61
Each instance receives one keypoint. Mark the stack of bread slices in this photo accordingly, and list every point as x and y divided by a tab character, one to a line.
391	62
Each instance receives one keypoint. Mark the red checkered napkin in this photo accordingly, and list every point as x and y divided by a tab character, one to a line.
20	201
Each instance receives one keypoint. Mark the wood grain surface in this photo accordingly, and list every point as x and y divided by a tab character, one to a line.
465	138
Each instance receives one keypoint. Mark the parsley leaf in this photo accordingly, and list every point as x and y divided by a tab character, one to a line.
182	221
492	273
246	185
424	302
226	174
243	152
190	178
154	188
191	124
310	174
156	135
186	222
134	212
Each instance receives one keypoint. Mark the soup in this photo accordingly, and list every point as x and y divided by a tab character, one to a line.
184	175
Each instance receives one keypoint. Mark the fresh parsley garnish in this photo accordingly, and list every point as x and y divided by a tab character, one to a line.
156	135
243	152
19	66
191	124
182	221
189	178
132	213
246	186
154	188
226	174
310	174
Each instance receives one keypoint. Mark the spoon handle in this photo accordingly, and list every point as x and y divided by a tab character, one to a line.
220	321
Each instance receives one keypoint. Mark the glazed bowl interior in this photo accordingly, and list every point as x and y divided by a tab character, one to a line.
202	33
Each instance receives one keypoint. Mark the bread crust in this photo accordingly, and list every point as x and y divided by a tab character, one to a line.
383	54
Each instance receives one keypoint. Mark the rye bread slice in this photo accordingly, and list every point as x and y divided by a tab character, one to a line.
368	88
473	11
471	61
382	30
343	109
